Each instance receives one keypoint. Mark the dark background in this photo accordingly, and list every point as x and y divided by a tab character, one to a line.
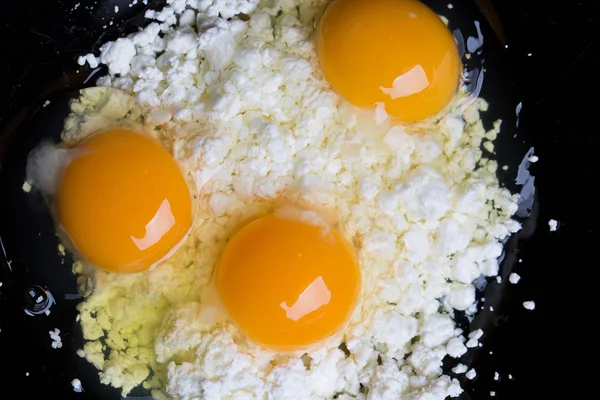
553	56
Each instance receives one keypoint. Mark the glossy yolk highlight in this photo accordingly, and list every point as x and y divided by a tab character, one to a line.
123	201
397	52
288	284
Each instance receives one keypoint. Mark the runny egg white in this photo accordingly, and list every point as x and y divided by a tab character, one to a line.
308	257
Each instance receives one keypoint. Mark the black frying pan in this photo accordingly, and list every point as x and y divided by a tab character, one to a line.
39	43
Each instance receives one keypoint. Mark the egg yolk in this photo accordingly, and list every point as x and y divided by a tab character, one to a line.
288	284
395	52
123	201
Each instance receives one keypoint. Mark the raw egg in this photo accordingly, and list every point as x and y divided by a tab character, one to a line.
288	284
122	201
395	52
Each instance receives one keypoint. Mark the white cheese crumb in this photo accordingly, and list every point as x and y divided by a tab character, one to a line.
26	373
56	339
533	158
88	58
456	348
471	374
474	338
26	187
460	369
510	376
116	9
76	383
496	376
46	103
529	305
553	224
493	394
514	278
450	6
499	279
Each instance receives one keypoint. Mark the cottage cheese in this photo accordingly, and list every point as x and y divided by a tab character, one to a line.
77	388
56	339
241	103
514	278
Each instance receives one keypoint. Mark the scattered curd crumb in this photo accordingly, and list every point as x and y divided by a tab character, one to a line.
26	187
510	376
529	305
505	167
46	103
471	374
450	6
76	383
491	308
499	279
460	369
529	54
474	338
533	158
116	9
26	373
553	224
493	394
496	376
61	249
56	339
514	278
92	61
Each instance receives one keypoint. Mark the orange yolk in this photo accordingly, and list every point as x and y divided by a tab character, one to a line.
123	202
397	52
288	284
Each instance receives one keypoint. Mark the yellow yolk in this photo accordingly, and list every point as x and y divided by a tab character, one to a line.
288	284
123	201
395	52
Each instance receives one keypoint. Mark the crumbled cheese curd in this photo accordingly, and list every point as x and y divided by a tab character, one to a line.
234	90
514	278
77	388
56	339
